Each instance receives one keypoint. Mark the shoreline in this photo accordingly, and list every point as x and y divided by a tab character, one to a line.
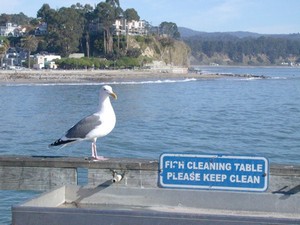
86	76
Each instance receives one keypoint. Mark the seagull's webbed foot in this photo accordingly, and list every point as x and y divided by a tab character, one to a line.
99	158
95	156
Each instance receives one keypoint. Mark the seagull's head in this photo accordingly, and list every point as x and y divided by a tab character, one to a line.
107	90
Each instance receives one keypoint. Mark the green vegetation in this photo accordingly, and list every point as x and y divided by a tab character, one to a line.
20	19
131	14
169	29
83	28
263	50
4	45
96	63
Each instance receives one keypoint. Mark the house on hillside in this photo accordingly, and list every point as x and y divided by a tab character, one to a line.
14	57
41	29
45	61
124	27
137	27
13	30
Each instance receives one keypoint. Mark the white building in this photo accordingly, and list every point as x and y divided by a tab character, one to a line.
45	61
123	27
11	29
136	27
120	27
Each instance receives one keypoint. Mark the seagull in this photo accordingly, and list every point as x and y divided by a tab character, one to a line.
96	125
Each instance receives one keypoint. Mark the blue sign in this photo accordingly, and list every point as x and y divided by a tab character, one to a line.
219	172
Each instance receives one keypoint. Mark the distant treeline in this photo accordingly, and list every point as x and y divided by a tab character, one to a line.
265	49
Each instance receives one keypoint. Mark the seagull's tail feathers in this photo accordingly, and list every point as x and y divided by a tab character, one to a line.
62	142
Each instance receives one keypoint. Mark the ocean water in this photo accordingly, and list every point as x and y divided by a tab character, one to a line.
243	116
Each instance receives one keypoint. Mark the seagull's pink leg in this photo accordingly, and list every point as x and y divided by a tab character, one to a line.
94	152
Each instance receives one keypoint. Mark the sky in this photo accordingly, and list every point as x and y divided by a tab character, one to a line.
260	16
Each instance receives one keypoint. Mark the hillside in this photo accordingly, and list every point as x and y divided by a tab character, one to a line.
170	51
242	48
187	33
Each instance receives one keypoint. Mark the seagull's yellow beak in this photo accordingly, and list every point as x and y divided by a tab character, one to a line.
113	95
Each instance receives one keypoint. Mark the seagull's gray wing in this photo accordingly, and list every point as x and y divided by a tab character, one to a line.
83	127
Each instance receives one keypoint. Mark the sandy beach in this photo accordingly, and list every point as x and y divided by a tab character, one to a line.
64	76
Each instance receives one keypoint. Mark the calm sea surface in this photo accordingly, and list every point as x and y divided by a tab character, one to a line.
241	116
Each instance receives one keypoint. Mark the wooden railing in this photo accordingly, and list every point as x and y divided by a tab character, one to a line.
44	173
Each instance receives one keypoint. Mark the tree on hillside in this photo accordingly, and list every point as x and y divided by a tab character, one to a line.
19	19
131	14
114	3
46	13
106	14
4	45
65	29
70	30
49	16
4	18
86	13
30	43
170	29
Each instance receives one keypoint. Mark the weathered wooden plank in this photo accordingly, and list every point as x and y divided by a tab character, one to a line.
117	163
285	170
78	162
44	173
35	178
284	179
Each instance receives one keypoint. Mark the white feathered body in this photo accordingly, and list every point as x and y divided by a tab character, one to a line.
107	118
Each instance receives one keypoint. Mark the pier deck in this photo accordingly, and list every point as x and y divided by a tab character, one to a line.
137	197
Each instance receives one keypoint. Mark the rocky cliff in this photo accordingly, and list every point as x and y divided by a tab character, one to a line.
169	51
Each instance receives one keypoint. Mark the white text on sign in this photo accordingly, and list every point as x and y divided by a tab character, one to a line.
211	171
